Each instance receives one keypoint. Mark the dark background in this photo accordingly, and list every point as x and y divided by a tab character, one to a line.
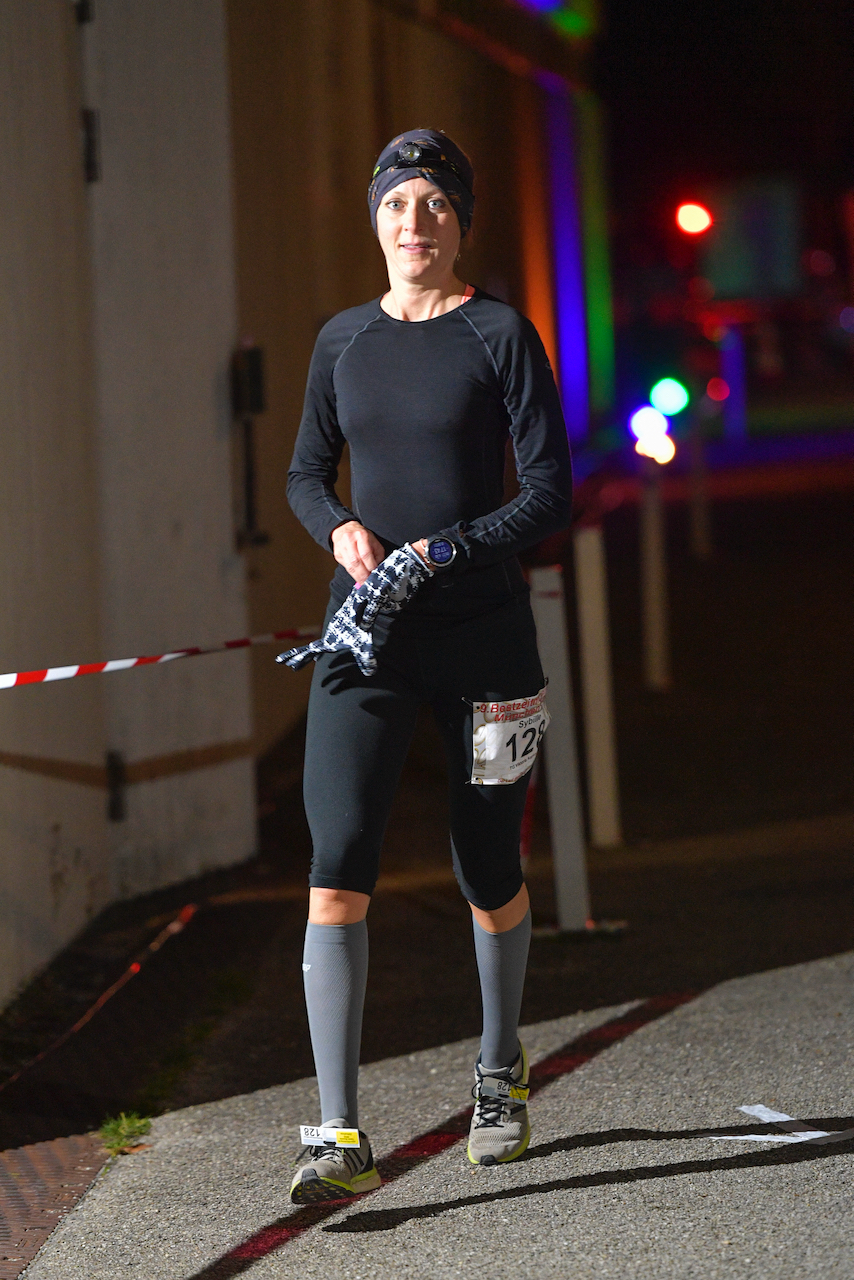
722	88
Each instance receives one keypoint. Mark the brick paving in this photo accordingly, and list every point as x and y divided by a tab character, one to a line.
39	1185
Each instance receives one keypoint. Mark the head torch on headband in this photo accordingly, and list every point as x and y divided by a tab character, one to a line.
421	155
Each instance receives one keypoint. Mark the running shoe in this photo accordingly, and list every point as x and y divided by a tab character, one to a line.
500	1130
334	1173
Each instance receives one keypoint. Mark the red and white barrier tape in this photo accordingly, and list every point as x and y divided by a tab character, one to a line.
122	664
180	922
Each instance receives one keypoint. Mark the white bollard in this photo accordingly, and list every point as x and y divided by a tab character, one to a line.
567	834
656	646
591	589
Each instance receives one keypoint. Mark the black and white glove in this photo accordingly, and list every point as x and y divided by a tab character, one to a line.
387	590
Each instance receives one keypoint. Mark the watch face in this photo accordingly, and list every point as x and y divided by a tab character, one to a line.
441	551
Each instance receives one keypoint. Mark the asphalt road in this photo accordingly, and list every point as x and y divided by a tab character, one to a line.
735	789
624	1177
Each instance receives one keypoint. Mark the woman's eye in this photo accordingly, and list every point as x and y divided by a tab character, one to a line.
436	204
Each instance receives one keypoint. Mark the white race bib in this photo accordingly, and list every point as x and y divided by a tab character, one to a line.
505	738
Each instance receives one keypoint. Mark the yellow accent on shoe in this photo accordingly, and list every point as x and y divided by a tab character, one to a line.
500	1131
504	1159
314	1190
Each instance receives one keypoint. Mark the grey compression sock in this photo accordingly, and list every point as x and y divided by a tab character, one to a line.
501	962
335	973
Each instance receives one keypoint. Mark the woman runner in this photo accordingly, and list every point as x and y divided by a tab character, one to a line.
428	605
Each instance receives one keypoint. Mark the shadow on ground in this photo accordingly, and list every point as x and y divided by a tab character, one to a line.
756	729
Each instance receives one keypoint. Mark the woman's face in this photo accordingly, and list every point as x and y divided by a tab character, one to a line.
418	231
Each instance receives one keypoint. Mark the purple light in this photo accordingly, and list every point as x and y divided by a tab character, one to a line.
733	372
568	264
846	319
540	6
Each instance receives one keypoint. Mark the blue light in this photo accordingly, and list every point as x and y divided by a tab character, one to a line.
570	300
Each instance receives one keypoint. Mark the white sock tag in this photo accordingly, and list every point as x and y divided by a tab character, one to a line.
495	1087
311	1135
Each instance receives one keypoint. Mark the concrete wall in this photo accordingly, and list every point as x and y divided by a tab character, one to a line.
164	324
117	318
54	859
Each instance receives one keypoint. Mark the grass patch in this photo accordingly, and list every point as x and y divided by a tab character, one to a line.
123	1132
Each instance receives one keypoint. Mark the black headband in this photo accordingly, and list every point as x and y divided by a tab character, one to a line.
420	155
430	154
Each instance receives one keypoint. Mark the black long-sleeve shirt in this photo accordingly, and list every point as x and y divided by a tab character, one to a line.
426	407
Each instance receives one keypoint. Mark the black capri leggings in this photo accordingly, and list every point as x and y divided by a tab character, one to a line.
359	731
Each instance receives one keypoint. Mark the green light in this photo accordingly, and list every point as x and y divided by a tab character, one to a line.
574	18
571	24
669	396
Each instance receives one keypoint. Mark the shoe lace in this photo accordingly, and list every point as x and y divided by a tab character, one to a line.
349	1157
491	1112
322	1151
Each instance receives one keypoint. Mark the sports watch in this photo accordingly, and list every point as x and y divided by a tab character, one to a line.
440	553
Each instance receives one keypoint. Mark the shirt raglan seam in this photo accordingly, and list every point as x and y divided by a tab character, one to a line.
356	335
517	507
492	359
494	363
338	360
331	508
513	414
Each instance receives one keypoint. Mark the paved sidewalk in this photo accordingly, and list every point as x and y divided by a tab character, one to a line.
622	1178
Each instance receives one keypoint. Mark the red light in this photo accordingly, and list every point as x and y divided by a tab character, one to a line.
717	389
693	219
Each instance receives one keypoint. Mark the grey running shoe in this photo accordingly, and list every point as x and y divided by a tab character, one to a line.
500	1130
335	1173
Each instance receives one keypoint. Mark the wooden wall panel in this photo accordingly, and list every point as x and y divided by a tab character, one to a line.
318	87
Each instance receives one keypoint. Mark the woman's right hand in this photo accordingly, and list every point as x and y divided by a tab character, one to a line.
356	548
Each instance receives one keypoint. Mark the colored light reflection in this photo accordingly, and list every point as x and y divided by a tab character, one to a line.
717	389
693	219
651	426
568	262
648	421
660	448
572	23
669	396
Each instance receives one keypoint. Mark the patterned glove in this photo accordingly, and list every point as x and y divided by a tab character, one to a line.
391	586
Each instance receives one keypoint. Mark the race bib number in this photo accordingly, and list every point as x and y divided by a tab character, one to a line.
490	1087
313	1135
506	737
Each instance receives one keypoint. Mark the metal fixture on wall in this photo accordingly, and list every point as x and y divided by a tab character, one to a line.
247	399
